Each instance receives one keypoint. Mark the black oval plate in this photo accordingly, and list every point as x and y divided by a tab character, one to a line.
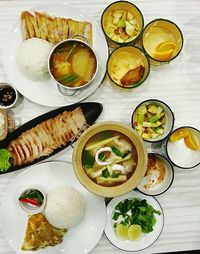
91	110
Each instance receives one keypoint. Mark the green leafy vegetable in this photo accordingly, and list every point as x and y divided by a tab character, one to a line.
115	175
88	159
102	157
119	153
105	173
136	211
5	156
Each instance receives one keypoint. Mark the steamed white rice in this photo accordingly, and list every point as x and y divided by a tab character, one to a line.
32	58
65	207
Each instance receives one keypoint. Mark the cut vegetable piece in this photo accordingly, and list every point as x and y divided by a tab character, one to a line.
142	109
130	29
152	109
141	118
80	62
101	143
134	232
90	70
130	16
153	119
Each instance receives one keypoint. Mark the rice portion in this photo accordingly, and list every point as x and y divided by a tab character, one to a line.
32	58
65	207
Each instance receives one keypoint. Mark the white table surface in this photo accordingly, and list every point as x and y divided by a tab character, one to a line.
177	83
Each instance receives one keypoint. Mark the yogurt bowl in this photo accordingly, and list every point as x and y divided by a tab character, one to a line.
183	147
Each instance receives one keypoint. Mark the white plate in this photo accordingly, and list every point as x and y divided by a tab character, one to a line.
146	239
80	239
46	93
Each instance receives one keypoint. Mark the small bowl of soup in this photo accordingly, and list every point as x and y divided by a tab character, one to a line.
128	67
73	65
110	159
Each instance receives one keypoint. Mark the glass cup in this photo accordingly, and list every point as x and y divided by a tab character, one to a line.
162	41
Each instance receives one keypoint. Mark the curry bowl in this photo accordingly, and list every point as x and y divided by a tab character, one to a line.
122	23
73	65
128	67
109	159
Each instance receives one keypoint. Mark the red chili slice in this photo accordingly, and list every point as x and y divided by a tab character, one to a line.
30	201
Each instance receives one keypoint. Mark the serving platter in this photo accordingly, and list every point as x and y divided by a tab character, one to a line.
91	111
147	239
14	219
46	92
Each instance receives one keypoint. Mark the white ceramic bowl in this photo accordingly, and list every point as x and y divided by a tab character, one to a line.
157	188
168	115
31	209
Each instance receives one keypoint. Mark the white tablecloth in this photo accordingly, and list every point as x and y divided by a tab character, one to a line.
177	83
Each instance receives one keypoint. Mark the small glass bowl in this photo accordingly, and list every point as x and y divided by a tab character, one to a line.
107	23
169	122
183	147
29	208
124	59
152	183
158	31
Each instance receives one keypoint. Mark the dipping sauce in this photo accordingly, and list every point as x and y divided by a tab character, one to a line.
7	96
155	173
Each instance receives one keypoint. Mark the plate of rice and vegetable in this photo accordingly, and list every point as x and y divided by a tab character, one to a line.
69	212
134	221
29	42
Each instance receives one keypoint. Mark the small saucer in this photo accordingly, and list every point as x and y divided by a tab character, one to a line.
157	182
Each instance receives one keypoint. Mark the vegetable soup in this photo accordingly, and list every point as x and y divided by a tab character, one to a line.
109	158
73	63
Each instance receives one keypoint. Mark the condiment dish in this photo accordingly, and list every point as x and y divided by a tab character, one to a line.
8	96
159	175
153	119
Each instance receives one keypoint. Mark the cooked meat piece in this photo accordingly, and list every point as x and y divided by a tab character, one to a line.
53	29
133	76
46	137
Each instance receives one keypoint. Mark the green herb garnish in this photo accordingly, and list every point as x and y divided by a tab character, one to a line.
5	156
88	159
117	152
136	211
105	173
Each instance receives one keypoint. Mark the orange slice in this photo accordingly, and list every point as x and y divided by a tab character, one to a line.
166	46
164	50
191	142
178	134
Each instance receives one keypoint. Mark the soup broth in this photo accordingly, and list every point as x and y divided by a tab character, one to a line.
73	64
109	158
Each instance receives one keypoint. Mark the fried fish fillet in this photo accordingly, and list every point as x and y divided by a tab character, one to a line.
133	76
47	136
40	233
53	29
